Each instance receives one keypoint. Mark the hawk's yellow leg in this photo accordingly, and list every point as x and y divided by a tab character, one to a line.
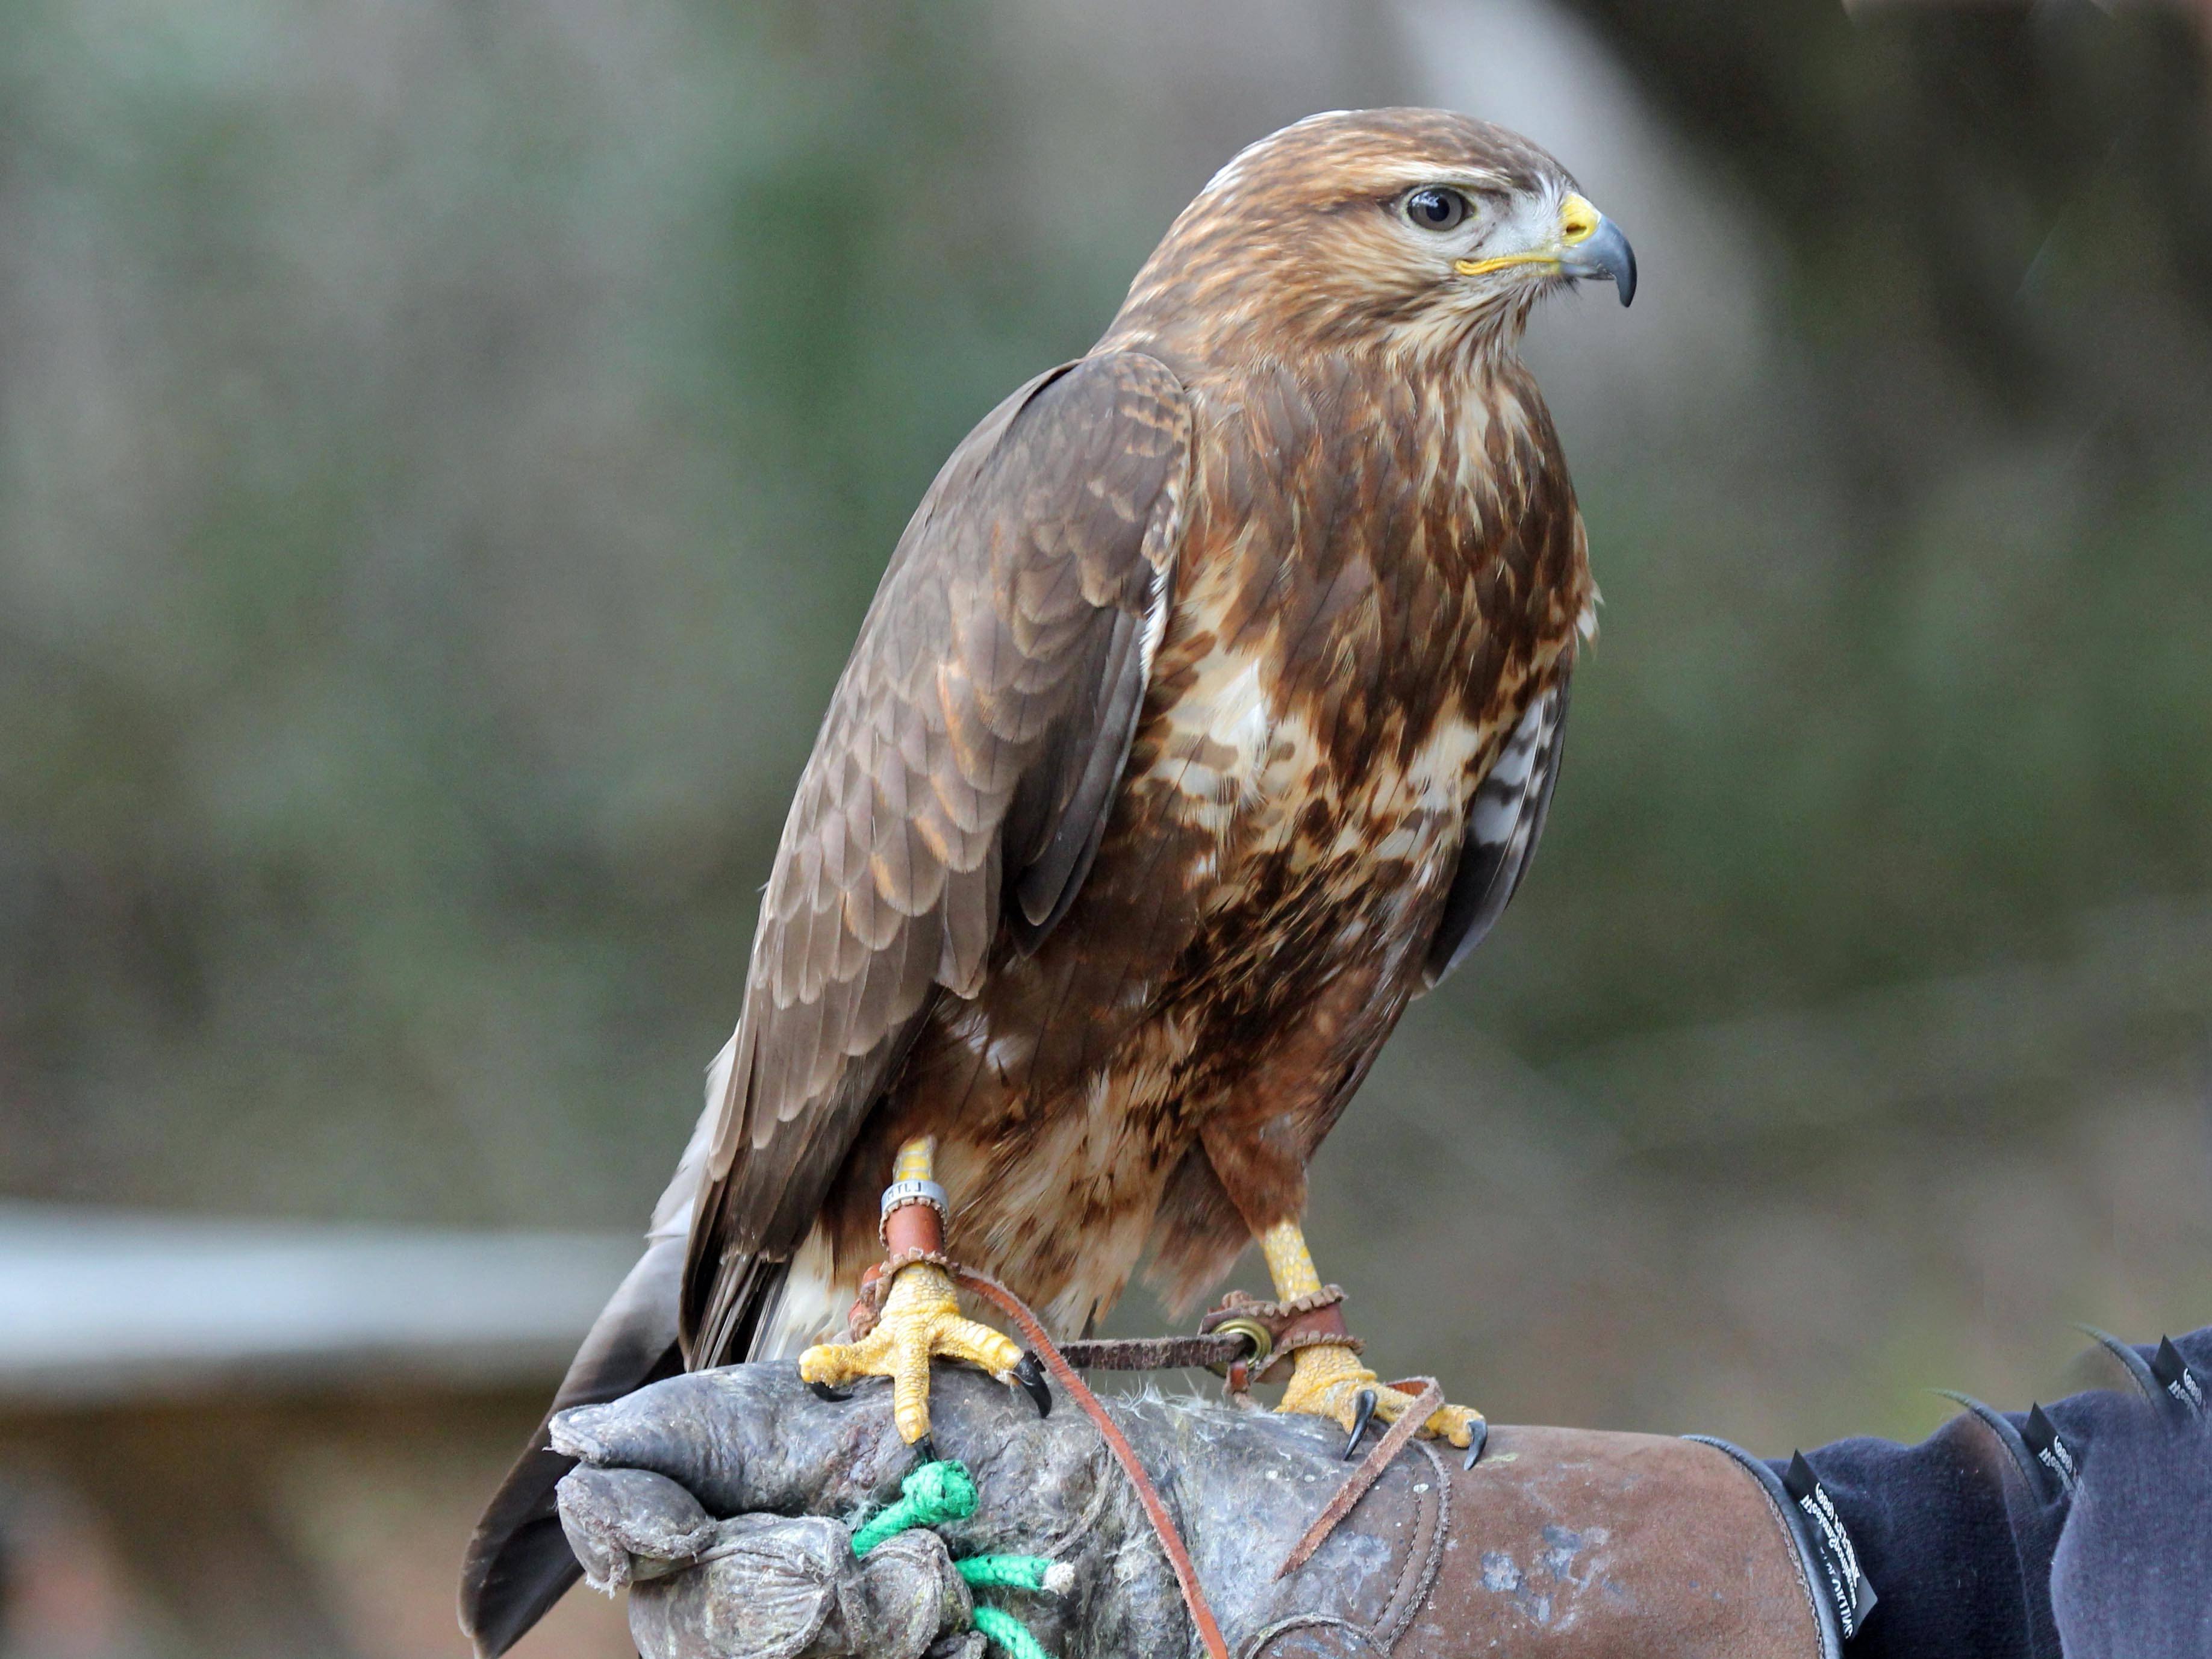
1326	1379
921	1319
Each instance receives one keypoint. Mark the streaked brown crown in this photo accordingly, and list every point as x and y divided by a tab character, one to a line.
1294	242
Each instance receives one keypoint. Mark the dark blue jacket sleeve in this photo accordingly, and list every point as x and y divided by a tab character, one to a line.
1957	1534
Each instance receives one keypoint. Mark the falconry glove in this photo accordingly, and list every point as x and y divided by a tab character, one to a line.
1560	1542
2084	1528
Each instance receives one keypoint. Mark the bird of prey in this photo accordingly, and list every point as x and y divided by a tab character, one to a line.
1208	712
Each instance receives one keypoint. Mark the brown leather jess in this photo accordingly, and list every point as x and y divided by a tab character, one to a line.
1155	1510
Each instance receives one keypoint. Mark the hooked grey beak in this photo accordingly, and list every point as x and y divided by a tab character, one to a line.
1603	253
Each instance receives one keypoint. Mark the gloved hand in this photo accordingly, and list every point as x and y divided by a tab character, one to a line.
1559	1543
758	1586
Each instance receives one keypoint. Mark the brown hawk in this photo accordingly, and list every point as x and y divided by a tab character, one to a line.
1208	712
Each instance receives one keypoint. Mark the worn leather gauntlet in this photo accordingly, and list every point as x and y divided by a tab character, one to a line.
722	1501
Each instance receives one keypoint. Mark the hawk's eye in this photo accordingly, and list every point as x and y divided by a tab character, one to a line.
1434	207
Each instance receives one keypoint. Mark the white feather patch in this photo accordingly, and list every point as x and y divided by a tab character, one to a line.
808	1308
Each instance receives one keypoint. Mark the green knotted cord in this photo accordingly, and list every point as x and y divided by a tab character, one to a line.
937	1492
1033	1572
1010	1633
930	1495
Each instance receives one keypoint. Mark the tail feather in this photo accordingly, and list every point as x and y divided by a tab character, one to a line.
519	1563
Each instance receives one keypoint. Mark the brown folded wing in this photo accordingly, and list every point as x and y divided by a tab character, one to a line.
960	785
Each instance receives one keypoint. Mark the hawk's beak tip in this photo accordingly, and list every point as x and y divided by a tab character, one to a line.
1605	252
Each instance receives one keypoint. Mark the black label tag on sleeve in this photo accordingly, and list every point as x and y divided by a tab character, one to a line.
2171	1373
1849	1592
2040	1435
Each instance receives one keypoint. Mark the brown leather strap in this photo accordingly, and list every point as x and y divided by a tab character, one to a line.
1298	1321
1163	1526
1305	1321
1370	1470
1159	1353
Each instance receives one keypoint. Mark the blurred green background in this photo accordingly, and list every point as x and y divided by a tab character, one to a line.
445	449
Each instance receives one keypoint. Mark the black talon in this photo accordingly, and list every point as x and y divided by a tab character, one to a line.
925	1450
1479	1437
1363	1413
824	1391
1031	1375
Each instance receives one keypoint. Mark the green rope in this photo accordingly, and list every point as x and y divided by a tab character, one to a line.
1010	1633
937	1492
1031	1572
932	1494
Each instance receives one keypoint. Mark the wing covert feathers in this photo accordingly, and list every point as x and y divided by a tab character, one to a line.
962	776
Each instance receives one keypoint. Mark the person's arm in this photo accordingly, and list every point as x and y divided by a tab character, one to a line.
1957	1534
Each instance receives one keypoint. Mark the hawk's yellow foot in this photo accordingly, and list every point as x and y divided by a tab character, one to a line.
1328	1380
920	1321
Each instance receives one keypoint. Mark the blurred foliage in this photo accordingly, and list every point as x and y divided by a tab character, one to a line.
1929	688
444	451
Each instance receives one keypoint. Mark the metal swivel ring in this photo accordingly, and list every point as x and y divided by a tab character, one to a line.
1262	1339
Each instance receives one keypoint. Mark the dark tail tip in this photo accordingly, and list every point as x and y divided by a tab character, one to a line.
519	1563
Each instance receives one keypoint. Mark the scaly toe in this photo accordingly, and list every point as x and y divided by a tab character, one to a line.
1461	1425
828	1366
1328	1380
955	1338
920	1321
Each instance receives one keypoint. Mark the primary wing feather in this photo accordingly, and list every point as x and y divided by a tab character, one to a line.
1504	824
961	779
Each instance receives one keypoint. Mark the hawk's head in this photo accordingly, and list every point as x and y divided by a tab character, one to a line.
1415	227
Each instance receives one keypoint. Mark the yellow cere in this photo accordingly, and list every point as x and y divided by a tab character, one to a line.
1578	222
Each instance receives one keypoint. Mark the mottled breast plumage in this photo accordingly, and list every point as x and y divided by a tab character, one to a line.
1355	636
1364	610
